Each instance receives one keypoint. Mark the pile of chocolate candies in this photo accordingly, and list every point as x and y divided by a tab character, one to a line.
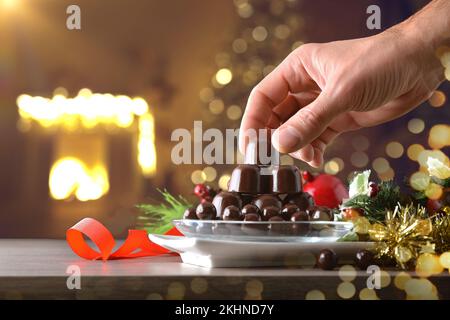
259	193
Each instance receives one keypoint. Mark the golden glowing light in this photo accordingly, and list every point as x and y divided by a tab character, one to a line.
206	94
437	99
427	265
223	182
198	176
210	174
86	110
439	136
146	145
259	33
331	167
387	175
416	125
380	165
400	279
347	273
368	294
234	112
346	290
434	191
444	260
315	295
394	149
224	76
282	31
414	150
216	106
71	177
419	181
9	4
239	45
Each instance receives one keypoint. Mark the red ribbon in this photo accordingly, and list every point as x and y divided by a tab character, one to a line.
137	244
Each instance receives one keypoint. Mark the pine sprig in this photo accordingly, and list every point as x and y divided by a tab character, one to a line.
157	218
375	207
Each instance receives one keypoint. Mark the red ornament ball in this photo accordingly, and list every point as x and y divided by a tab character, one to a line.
327	190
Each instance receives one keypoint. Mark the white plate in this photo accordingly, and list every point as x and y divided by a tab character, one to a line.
229	253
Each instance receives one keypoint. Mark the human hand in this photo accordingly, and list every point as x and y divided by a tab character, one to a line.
322	90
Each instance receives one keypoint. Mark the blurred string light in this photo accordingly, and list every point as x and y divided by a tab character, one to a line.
146	145
69	176
88	111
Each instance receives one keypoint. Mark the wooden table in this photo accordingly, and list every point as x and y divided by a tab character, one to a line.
36	269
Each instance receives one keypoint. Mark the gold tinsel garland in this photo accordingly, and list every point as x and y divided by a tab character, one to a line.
407	232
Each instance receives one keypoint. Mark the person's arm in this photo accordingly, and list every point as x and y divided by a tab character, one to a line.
322	90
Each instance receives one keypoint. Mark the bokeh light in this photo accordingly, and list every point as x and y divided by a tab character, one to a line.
359	159
234	112
394	149
223	181
414	150
416	125
210	174
198	176
224	76
437	99
259	33
239	45
380	165
439	136
315	295
216	106
360	143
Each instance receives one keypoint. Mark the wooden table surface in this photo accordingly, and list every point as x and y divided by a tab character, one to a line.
36	269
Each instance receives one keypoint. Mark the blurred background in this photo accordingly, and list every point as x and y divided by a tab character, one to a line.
136	71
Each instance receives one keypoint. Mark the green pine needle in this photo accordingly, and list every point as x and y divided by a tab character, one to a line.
375	208
157	218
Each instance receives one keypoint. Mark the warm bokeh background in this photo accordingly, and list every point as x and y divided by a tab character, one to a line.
168	53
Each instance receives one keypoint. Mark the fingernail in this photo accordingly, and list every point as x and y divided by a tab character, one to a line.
285	139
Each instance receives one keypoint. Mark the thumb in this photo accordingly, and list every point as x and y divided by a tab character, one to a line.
306	125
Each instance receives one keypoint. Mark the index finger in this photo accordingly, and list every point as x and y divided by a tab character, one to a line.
288	77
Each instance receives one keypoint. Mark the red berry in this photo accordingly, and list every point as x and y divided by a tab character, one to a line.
201	191
307	176
373	189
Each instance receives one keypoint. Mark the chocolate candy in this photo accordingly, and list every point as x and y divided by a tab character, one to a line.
267	200
300	229
250	208
245	179
327	259
206	211
299	216
364	258
286	179
320	214
190	213
288	210
225	199
231	213
252	217
269	212
303	200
